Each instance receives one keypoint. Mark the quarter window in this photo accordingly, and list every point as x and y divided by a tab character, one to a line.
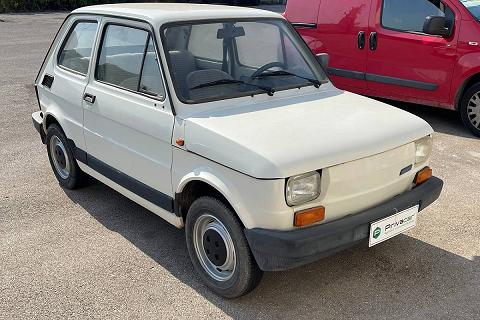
76	51
128	59
151	78
409	15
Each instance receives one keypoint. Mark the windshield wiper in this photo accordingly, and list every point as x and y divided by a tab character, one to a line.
268	90
315	82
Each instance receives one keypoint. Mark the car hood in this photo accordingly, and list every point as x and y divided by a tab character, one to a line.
284	137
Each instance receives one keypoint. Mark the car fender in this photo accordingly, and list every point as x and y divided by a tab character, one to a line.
259	203
208	175
467	67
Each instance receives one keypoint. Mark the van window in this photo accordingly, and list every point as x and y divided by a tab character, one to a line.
76	51
128	59
409	15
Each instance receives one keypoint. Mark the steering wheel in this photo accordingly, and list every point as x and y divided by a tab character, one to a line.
264	68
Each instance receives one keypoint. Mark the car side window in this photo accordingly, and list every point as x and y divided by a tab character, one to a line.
409	15
128	59
76	50
151	82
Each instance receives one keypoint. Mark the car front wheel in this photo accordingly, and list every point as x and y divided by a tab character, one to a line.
470	109
219	250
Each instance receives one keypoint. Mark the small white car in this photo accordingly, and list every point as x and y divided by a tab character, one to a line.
220	120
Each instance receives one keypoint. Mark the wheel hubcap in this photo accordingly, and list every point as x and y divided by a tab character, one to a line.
473	110
59	157
214	247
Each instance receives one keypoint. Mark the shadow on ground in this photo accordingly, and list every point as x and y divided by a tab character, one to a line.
400	277
442	120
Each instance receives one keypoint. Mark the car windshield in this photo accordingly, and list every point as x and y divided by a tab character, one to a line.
473	6
211	61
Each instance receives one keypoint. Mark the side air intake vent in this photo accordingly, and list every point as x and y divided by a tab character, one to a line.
47	81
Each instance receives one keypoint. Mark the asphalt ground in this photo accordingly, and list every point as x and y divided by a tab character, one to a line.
93	254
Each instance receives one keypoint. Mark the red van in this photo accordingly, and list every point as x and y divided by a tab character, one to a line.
421	51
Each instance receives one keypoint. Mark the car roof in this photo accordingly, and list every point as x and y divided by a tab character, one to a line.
160	13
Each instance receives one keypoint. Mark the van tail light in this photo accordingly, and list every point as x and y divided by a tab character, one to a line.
423	175
309	216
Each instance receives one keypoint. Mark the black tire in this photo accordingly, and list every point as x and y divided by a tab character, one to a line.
75	177
471	121
246	274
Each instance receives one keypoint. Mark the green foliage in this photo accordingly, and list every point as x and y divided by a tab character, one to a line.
42	5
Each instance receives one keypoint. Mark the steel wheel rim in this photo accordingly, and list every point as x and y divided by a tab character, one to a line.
60	159
473	110
208	223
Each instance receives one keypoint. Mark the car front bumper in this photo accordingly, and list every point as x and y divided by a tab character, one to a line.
281	250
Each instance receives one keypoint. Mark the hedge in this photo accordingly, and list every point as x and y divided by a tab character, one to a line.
48	5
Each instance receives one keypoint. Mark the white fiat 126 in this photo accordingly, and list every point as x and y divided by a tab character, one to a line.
220	120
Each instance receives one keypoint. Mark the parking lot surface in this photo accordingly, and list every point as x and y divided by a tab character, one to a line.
92	253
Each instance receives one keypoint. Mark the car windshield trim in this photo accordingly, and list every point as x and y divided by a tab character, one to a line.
289	32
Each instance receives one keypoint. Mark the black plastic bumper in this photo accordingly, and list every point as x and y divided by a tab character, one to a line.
37	119
282	250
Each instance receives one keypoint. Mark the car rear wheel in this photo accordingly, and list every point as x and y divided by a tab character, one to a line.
62	159
470	109
219	250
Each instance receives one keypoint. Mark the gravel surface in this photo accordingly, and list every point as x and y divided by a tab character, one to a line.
92	253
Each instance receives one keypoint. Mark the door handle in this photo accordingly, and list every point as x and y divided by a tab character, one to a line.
373	41
90	98
361	40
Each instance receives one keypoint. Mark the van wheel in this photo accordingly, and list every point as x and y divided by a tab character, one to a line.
219	250
62	160
470	109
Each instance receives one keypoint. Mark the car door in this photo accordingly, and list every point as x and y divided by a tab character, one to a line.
128	116
403	61
63	85
342	28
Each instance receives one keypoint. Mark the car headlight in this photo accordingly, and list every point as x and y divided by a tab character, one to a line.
303	188
423	148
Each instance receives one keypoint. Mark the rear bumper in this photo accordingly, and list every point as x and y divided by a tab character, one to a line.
37	119
282	250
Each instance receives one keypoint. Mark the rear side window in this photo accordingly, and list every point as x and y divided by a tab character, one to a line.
409	15
76	50
128	59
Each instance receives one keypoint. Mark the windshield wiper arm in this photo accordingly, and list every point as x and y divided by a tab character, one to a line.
268	90
315	82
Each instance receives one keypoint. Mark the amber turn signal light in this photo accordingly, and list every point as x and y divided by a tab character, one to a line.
180	142
423	175
309	216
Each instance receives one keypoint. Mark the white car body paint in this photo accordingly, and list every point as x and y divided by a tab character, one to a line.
246	147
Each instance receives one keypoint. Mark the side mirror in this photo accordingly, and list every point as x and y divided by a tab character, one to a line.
323	59
436	26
